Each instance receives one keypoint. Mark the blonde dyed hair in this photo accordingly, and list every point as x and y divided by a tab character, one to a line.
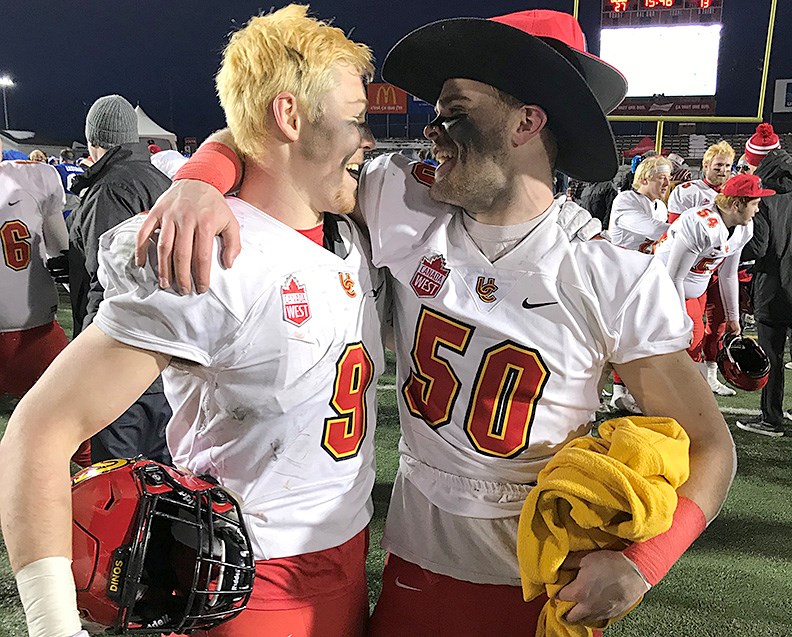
649	166
283	51
721	148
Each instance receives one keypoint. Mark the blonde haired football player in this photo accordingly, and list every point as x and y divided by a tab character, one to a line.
282	52
638	216
271	373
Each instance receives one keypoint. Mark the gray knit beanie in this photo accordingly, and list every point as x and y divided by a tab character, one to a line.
111	121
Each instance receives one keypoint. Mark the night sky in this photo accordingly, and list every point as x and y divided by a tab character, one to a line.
163	53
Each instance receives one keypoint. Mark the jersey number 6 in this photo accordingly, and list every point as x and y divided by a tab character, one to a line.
509	380
15	236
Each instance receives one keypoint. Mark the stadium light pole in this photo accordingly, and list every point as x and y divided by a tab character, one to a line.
5	82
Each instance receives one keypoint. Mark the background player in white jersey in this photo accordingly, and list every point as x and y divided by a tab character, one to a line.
638	216
502	327
716	166
638	219
271	374
710	238
31	227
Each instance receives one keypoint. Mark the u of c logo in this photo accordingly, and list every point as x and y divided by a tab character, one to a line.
486	289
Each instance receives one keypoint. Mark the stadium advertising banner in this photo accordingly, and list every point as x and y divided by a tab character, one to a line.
782	102
386	98
661	105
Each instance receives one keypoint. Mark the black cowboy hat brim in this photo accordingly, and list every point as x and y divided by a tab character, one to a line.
525	67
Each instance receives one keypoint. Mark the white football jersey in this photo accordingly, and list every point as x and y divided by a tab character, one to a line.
636	222
273	377
497	364
31	199
701	231
691	194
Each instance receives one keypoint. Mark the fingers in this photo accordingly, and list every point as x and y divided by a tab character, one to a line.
202	261
144	235
167	235
232	245
182	258
605	586
572	561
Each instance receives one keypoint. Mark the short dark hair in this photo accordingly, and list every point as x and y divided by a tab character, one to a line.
67	154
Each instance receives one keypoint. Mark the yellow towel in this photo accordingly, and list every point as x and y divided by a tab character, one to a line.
598	493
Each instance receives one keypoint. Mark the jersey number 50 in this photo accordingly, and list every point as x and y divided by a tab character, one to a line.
15	236
509	380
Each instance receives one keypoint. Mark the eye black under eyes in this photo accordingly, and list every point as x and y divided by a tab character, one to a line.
447	122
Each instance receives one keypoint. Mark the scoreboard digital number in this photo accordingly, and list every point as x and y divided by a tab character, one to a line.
624	5
621	13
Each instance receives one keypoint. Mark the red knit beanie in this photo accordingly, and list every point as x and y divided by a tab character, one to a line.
761	142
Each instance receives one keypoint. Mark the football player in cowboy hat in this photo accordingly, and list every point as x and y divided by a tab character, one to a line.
502	325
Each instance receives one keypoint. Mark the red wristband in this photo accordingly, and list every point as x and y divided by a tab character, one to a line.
214	164
655	557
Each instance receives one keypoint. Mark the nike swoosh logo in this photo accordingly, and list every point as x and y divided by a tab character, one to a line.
407	586
533	306
14	203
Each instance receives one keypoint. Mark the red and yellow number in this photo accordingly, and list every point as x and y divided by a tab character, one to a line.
703	266
424	173
502	406
432	389
649	246
509	381
344	434
15	236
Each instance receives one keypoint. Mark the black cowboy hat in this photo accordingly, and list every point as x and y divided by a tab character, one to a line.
537	57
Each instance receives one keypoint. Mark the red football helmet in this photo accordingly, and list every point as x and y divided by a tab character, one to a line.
157	549
742	362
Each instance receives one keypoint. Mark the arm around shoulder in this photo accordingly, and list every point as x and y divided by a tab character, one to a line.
191	213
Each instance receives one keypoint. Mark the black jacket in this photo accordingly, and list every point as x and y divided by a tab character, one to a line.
120	185
771	245
598	198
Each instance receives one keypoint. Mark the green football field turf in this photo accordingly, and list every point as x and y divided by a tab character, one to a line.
735	580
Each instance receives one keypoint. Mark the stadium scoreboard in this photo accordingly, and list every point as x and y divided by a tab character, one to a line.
635	13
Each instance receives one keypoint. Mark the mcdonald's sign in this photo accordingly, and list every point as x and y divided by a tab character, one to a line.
386	98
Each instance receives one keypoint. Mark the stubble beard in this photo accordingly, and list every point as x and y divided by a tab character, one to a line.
474	188
344	202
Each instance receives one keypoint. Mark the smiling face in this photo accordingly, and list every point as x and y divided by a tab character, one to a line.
470	140
334	145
